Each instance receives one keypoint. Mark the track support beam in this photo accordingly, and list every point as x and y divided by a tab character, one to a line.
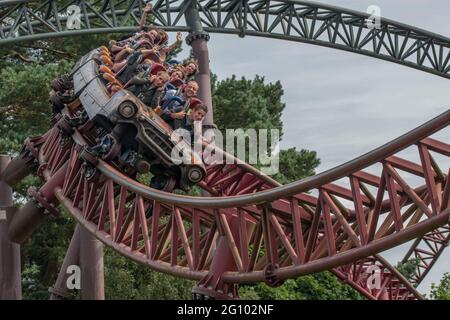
91	263
198	40
60	290
10	267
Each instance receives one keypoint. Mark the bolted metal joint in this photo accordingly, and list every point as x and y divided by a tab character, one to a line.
225	292
270	278
65	125
89	156
212	287
29	149
42	201
196	36
40	171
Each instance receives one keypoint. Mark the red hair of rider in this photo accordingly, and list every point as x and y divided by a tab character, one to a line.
193	102
157	67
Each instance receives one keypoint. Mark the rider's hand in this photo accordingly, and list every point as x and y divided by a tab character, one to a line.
179	37
178	115
148	8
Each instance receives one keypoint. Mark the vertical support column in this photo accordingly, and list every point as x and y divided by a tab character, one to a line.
211	286
198	40
10	273
91	263
60	290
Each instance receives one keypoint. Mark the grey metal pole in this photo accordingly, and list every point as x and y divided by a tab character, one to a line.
91	263
198	40
60	290
10	269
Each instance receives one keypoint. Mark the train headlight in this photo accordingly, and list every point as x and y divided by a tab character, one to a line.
195	173
127	109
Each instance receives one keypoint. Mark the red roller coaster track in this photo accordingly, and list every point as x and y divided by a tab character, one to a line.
252	229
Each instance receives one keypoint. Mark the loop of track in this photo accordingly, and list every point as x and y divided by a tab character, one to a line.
337	230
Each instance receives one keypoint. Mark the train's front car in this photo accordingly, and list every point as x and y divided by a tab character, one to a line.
145	143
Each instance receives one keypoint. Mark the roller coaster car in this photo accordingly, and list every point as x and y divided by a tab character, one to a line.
152	140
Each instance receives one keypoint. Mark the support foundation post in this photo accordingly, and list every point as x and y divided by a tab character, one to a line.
10	267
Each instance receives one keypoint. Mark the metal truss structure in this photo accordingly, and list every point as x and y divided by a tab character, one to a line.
252	229
261	231
301	21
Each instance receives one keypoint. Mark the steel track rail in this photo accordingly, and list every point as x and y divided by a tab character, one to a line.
312	266
302	21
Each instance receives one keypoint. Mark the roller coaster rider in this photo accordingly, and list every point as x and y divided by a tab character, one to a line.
176	103
149	90
139	66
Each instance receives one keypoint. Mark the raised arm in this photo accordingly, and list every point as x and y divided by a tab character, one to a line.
175	45
121	55
140	79
147	10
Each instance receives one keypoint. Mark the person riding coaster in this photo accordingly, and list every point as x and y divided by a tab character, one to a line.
133	136
124	145
121	142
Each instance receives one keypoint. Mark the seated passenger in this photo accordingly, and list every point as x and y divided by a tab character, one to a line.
130	68
135	41
175	104
190	68
176	74
149	89
134	57
160	179
142	43
185	92
166	50
116	46
196	115
156	36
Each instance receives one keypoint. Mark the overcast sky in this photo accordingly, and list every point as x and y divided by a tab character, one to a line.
341	104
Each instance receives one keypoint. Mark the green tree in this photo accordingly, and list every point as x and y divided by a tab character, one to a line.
126	279
247	103
296	165
43	255
24	106
320	286
441	291
408	268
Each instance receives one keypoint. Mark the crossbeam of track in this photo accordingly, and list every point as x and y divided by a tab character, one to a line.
300	21
288	226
